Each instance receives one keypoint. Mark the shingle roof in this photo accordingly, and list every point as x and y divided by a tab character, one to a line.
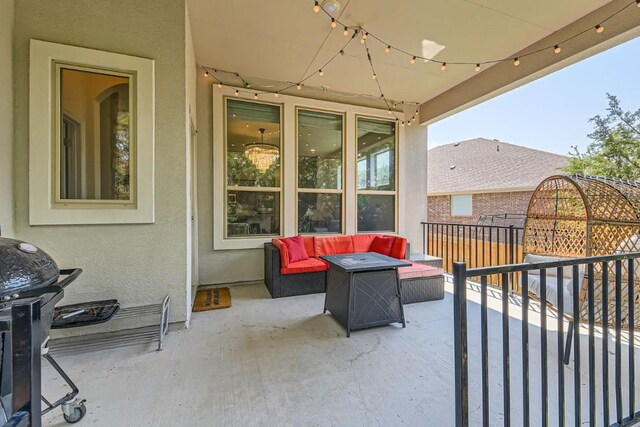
485	165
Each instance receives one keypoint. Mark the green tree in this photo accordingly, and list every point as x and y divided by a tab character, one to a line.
615	150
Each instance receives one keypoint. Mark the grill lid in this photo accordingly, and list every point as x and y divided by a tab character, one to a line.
24	266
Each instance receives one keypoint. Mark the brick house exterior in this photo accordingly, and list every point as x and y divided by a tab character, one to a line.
439	207
493	178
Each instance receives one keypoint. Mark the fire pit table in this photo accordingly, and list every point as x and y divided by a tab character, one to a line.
363	290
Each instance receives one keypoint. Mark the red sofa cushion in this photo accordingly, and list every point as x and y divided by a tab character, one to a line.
284	253
295	248
307	266
362	242
333	245
418	270
309	245
399	248
382	245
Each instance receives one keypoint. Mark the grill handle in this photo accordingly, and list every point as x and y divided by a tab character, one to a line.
71	273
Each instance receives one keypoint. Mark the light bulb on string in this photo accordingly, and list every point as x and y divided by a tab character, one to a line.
374	76
276	94
346	31
206	73
219	85
316	7
255	96
599	29
413	60
557	49
390	112
299	86
237	92
387	49
402	124
516	62
333	23
321	72
477	67
443	66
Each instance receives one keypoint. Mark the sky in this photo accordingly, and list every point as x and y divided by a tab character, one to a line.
553	112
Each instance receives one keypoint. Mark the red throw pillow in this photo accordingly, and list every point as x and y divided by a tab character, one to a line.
382	245
296	249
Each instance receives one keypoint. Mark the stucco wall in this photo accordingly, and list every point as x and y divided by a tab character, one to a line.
439	207
136	264
6	119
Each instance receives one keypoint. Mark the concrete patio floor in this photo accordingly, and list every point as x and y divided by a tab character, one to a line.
281	362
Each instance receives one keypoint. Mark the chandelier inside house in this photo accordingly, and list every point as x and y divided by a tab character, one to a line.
262	155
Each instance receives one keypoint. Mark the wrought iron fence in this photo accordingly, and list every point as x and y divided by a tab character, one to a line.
477	245
590	402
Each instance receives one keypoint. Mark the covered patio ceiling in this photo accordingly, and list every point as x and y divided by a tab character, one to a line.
272	43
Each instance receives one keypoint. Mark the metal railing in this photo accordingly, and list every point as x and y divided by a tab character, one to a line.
476	245
591	402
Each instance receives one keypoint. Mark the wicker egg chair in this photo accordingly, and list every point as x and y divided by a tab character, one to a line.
578	216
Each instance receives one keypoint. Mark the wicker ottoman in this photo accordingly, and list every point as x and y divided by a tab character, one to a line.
422	289
421	282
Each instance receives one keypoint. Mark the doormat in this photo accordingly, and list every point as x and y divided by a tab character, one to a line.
212	299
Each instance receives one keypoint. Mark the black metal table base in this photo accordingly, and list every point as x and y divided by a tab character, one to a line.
364	299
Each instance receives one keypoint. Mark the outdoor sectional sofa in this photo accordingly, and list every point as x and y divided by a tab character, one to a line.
283	278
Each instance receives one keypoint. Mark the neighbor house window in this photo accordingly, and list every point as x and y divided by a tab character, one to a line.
376	174
320	154
253	168
461	205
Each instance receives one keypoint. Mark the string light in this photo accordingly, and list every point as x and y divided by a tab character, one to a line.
206	73
402	124
638	3
599	29
333	23
316	7
375	77
219	85
387	49
276	94
557	49
443	66
390	112
477	67
365	35
516	62
255	96
299	86
237	92
413	60
321	72
346	31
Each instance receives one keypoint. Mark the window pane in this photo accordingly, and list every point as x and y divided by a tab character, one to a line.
319	213
376	213
319	149
94	162
253	212
253	144
376	154
461	204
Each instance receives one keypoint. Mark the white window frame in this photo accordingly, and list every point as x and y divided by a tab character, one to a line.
461	205
395	193
341	190
255	189
45	207
289	160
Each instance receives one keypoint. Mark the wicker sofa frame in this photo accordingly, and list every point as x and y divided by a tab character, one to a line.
285	285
